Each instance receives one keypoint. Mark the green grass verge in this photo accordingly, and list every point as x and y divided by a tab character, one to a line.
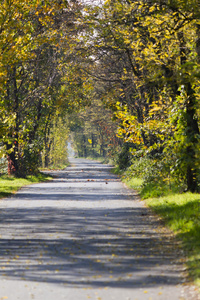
133	183
9	185
181	213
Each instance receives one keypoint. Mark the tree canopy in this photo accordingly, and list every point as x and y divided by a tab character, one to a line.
147	57
136	61
36	71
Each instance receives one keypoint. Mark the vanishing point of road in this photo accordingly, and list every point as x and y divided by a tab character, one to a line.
86	236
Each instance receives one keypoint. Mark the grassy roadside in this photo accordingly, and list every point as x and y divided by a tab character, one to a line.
181	213
9	185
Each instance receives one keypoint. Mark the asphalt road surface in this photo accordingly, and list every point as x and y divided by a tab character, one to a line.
85	236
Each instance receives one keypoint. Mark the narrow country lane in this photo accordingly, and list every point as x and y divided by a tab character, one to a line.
85	236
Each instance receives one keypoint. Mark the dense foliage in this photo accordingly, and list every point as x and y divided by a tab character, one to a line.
35	73
93	132
146	55
135	62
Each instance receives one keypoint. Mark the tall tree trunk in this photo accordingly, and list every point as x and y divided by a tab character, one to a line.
13	157
192	129
11	164
84	146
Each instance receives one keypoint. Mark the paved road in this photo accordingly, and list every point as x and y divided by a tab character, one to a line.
85	236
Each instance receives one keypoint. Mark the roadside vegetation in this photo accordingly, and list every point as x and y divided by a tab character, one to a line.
181	214
10	184
179	210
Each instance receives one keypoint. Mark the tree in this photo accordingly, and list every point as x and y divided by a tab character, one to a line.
54	154
147	53
93	131
34	39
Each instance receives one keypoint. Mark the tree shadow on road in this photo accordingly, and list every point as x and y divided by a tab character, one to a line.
72	232
87	247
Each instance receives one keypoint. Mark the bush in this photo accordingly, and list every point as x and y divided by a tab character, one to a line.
124	157
29	162
156	175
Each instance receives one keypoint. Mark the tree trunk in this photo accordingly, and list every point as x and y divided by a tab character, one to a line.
84	146
13	166
13	157
192	129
